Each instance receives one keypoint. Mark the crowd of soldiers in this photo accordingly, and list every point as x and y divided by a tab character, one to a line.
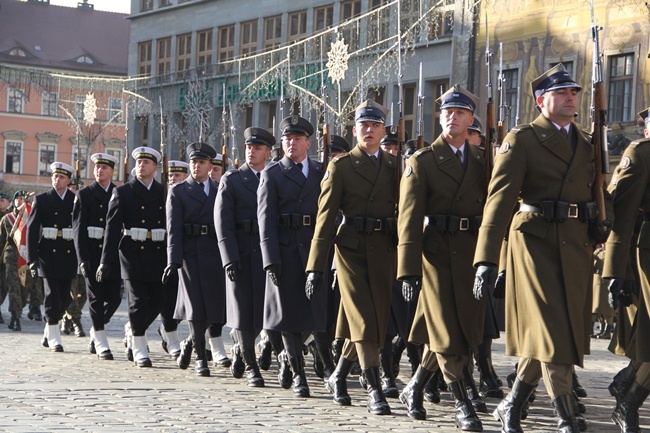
357	261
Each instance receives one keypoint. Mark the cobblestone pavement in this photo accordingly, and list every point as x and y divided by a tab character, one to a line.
74	391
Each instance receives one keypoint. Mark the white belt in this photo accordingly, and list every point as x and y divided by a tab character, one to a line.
95	232
53	233
140	234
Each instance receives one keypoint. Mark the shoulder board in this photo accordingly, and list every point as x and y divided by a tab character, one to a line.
640	142
230	172
422	151
340	157
519	128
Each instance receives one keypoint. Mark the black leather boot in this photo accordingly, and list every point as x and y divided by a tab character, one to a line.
397	348
337	349
466	418
337	382
201	365
472	391
327	361
606	334
12	322
78	328
509	410
300	387
377	404
431	391
568	423
318	364
388	386
414	353
577	388
622	382
626	413
489	386
237	366
285	376
266	350
253	376
413	394
183	360
15	319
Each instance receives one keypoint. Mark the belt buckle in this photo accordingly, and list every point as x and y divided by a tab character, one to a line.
204	230
573	210
378	225
464	224
306	220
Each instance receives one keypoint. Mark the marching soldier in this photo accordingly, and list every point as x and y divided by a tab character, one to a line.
235	217
362	186
287	201
89	222
5	203
192	252
217	167
134	240
475	132
632	185
548	167
444	187
50	249
168	329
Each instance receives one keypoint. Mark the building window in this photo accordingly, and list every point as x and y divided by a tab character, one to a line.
164	56
273	36
79	106
226	46
204	48
510	95
441	22
13	153
409	108
323	18
297	25
350	33
270	120
83	161
15	100
46	156
85	59
143	124
164	3
621	76
115	109
17	52
439	88
144	59
410	14
146	5
183	52
248	37
379	25
49	104
117	153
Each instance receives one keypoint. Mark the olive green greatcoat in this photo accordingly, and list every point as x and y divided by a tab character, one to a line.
365	263
448	318
632	192
549	282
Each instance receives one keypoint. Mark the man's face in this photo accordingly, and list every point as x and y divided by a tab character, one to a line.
60	181
368	133
145	168
473	137
4	204
646	131
559	105
216	172
257	154
200	169
175	177
103	173
18	202
390	148
455	121
296	146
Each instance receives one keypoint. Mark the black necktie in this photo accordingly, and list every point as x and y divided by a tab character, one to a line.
374	161
258	174
459	155
200	184
299	165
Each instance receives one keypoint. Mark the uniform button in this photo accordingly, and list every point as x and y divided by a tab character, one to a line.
589	184
142	221
158	221
158	248
141	207
142	248
100	245
586	244
371	248
563	242
300	245
453	253
101	206
68	251
299	201
56	213
55	226
101	219
160	207
372	199
54	250
457	198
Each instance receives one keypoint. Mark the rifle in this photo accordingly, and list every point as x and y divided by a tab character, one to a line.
599	124
490	120
233	144
327	138
401	133
501	126
419	144
125	165
77	164
163	149
224	134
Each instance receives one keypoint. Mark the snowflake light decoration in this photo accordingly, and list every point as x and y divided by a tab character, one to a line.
338	60
90	109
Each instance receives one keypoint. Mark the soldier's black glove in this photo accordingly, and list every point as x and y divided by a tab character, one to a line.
600	233
232	270
33	269
274	273
500	286
84	267
102	271
335	280
170	269
631	287
486	274
615	288
314	281
410	287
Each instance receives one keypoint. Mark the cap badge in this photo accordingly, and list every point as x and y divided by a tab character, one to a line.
294	120
393	129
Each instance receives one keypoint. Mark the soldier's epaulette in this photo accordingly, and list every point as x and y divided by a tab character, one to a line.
636	143
520	128
422	151
230	172
340	157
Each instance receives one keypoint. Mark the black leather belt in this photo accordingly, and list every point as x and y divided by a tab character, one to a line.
560	211
453	223
370	225
198	230
249	226
296	220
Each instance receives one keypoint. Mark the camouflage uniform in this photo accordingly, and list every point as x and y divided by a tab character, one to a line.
72	317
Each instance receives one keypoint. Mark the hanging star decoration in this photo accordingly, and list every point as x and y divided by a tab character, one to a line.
338	60
90	109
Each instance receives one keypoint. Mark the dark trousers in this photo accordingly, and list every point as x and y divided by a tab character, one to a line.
169	304
246	339
197	334
103	300
293	343
144	302
215	330
57	298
